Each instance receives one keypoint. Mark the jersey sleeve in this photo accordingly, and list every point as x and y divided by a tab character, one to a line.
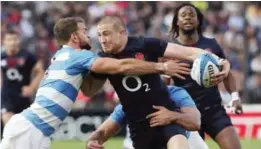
155	46
83	59
118	116
218	50
181	97
32	59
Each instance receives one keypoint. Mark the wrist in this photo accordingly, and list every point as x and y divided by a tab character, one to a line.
235	96
174	117
161	67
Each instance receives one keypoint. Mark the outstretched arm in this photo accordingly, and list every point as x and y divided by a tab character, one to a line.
132	66
107	129
191	53
182	52
126	66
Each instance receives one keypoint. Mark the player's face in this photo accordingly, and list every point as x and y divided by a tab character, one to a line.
110	38
83	38
187	20
11	42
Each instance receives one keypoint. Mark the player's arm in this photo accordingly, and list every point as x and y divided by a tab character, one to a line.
126	66
106	130
160	48
92	84
38	73
110	127
230	83
188	117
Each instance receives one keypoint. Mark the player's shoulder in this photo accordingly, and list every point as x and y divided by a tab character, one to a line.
3	54
208	40
135	42
28	53
82	54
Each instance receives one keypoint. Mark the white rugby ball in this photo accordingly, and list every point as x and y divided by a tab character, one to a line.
203	68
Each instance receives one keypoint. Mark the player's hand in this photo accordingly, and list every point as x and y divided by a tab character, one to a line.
27	91
177	69
220	76
94	144
237	107
160	118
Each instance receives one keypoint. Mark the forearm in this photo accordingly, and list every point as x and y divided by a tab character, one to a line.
182	52
127	66
230	83
188	120
36	80
107	130
100	136
137	67
91	85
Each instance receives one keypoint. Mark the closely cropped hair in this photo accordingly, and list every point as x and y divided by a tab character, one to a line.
11	31
115	20
174	30
64	28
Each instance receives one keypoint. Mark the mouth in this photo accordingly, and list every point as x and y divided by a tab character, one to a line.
188	23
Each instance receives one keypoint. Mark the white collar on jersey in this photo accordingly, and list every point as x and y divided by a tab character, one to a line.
66	46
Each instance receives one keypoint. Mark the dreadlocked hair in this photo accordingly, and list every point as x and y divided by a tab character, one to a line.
174	29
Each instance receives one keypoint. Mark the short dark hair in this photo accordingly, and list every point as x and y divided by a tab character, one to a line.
12	32
174	30
64	28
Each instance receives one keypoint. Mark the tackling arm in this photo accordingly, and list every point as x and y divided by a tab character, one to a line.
126	66
91	85
189	118
107	129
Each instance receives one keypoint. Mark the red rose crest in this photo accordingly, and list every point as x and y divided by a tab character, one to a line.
139	56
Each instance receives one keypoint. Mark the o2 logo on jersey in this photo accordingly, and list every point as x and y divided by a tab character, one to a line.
139	84
13	74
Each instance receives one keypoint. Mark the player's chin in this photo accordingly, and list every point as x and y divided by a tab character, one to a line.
86	47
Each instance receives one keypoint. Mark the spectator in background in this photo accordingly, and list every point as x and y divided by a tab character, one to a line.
254	82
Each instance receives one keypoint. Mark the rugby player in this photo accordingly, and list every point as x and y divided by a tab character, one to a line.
138	94
186	30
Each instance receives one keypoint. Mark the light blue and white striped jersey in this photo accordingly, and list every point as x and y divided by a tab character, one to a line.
178	95
59	88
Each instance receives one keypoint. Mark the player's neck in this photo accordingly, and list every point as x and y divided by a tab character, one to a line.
12	52
125	41
188	39
74	46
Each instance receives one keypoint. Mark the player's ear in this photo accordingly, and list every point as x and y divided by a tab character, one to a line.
123	32
74	37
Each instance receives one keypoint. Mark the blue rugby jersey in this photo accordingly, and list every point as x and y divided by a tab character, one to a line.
59	88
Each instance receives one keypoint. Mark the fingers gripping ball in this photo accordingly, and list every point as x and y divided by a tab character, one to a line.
205	66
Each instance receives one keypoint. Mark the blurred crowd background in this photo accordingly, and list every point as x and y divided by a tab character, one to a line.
235	25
